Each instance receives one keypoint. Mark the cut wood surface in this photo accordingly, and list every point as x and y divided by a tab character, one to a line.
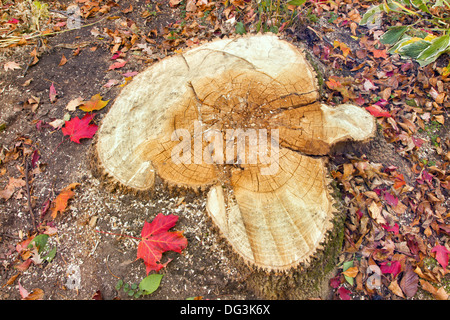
180	120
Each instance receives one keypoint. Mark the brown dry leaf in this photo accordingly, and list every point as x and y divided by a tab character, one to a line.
348	170
9	190
395	288
438	294
36	294
190	6
409	282
441	294
130	8
60	203
11	65
63	60
27	83
375	213
73	104
11	280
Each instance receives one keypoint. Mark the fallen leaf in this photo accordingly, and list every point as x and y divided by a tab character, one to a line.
129	74
11	187
116	65
11	65
393	267
35	158
111	83
399	181
409	282
393	228
130	8
344	294
335	282
395	288
73	104
344	48
57	123
174	3
439	294
96	103
390	199
23	292
59	205
441	255
63	61
368	85
78	128
52	93
375	213
378	111
36	294
27	83
156	239
24	265
351	272
378	53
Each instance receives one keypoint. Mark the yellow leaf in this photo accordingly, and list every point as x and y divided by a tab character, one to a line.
429	37
96	103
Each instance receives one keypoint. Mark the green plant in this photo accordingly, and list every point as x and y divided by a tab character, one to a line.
273	14
409	41
38	11
40	243
147	286
432	130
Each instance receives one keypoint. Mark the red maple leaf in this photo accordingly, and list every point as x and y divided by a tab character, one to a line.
344	294
441	255
378	111
156	239
78	128
393	267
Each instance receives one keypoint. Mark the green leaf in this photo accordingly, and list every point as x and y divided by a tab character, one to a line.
240	28
438	46
345	266
393	34
150	283
40	241
297	3
371	15
413	49
119	284
439	3
49	257
420	4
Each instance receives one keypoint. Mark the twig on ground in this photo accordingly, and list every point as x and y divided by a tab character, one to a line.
28	194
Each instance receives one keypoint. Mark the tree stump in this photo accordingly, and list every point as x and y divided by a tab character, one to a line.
240	119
